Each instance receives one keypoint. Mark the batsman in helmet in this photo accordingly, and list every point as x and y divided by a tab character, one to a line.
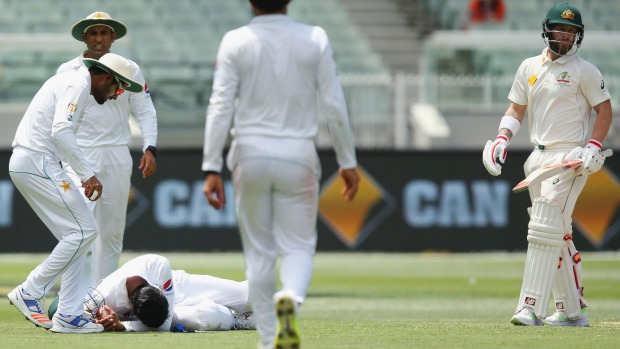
558	89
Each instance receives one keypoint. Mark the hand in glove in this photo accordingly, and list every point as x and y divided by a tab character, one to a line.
592	157
495	153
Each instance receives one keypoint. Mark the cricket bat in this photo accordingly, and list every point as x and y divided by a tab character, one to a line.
549	171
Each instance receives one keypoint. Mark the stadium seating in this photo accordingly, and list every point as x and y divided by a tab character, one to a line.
167	36
599	17
176	44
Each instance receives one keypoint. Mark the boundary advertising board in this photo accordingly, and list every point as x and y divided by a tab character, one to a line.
408	202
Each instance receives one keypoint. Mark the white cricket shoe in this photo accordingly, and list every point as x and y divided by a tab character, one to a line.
559	318
525	317
32	308
244	321
74	324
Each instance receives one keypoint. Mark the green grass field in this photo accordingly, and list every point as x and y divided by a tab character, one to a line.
369	301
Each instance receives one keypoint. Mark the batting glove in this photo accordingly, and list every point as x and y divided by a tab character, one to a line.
592	157
495	153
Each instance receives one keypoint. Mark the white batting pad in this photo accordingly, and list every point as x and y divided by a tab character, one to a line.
545	237
567	288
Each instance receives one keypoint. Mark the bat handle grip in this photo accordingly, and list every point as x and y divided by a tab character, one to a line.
608	153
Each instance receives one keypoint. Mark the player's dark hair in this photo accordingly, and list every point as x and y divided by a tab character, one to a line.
150	305
270	5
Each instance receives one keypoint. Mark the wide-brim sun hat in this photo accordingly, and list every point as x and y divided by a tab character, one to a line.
118	66
98	18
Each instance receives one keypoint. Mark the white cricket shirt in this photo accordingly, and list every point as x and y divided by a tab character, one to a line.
108	124
54	116
156	270
560	95
278	68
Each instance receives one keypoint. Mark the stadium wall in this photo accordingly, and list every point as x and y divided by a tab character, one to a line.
409	201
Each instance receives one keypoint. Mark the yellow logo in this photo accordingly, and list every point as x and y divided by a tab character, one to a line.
532	80
72	107
568	14
596	208
65	186
354	221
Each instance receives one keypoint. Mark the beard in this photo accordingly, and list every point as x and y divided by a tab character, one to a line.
100	98
560	47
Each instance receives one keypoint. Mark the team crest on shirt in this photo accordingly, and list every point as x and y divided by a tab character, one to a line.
72	107
563	79
168	285
65	186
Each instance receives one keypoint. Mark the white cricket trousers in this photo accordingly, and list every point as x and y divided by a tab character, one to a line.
563	189
48	189
113	166
276	189
204	302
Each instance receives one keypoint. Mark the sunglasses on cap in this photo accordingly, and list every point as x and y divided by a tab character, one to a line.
121	87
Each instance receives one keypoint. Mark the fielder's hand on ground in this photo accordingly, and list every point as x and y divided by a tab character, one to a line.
495	153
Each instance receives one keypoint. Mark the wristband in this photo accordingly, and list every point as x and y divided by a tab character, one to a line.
595	143
152	149
510	123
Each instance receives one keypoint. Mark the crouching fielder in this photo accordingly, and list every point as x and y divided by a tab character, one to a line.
559	89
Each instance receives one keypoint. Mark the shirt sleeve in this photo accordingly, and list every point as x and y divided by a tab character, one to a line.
334	105
518	92
221	106
69	106
144	111
593	85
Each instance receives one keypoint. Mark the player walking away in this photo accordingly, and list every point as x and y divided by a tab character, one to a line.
104	142
559	89
145	294
44	138
277	67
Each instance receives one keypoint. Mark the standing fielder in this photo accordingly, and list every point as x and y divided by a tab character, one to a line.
44	138
278	68
559	89
104	142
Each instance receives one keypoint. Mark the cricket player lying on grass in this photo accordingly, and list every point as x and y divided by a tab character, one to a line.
145	294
